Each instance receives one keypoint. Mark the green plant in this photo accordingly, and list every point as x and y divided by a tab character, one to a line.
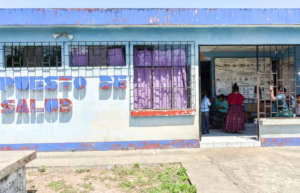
57	185
191	189
68	189
127	184
114	168
182	173
136	165
42	169
132	172
153	190
88	186
121	172
169	170
80	170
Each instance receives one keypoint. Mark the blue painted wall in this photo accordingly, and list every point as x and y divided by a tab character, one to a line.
170	17
94	120
202	36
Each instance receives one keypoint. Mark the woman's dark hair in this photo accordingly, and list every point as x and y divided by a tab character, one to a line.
235	88
222	96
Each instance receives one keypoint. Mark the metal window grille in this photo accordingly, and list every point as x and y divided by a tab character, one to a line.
156	87
277	86
97	53
55	58
32	55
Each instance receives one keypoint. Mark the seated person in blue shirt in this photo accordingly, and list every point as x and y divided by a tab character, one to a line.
221	108
282	110
291	101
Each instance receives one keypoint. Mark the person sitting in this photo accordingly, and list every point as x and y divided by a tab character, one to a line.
291	101
235	120
280	107
221	108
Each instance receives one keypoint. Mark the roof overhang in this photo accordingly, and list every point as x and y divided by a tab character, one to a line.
192	17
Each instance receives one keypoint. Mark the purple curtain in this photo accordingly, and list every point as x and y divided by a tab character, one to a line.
142	57
180	97
163	79
116	57
142	88
79	57
97	56
179	57
162	88
162	57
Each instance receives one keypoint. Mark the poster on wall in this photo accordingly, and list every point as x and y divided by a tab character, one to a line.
242	71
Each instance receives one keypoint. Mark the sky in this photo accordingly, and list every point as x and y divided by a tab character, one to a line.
149	4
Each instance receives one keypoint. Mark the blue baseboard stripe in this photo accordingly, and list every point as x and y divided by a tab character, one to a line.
288	141
103	146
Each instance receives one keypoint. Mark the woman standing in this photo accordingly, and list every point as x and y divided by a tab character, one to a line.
235	118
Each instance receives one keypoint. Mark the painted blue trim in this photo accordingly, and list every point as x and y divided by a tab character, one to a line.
290	141
192	16
102	146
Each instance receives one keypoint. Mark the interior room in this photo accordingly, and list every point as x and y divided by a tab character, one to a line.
255	69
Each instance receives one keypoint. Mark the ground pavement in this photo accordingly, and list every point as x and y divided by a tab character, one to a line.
211	170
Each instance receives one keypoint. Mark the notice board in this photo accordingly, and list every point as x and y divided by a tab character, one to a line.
242	71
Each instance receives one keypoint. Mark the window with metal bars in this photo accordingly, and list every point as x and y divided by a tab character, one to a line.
32	56
277	82
161	77
98	55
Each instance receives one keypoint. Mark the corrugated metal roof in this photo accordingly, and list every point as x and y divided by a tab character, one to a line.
148	17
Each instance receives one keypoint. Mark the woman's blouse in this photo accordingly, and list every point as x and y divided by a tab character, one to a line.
235	99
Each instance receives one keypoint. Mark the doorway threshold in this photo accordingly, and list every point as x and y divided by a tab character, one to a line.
218	138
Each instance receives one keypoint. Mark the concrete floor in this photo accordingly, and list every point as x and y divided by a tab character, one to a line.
218	138
214	170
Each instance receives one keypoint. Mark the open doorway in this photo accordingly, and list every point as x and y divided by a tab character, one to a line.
222	67
205	74
262	73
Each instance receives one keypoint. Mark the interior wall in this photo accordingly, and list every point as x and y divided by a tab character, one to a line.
213	55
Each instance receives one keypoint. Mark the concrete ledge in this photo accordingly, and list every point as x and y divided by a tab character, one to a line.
279	132
15	182
10	161
280	121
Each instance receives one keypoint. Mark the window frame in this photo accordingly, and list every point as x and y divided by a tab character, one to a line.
21	47
86	47
189	110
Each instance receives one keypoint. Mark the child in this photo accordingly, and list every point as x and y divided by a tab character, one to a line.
205	105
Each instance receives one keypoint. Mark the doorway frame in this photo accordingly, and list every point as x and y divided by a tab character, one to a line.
213	77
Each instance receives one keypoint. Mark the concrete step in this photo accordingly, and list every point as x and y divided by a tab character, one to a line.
230	144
